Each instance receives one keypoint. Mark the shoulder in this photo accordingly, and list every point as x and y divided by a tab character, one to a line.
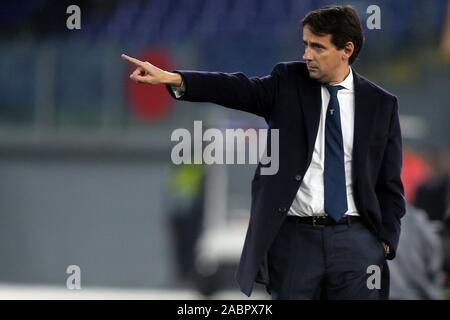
290	69
384	95
298	66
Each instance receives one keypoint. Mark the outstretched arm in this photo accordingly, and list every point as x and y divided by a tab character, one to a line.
232	90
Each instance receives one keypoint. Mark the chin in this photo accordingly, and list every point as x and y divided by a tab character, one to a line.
315	75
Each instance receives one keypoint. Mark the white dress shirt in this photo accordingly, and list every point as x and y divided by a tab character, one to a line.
309	199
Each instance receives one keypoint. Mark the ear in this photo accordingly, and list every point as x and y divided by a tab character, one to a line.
348	50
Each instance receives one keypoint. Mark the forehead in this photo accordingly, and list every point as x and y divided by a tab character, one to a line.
308	36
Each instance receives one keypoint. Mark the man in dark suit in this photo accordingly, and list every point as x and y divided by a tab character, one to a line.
323	226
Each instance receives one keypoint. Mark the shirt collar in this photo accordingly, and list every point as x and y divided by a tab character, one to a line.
348	81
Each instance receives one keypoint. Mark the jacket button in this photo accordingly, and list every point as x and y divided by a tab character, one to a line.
282	209
298	177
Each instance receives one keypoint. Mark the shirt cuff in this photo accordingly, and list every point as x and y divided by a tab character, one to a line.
178	91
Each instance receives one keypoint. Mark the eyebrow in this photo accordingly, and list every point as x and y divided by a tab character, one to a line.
317	44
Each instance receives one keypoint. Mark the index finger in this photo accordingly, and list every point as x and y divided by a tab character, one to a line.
135	61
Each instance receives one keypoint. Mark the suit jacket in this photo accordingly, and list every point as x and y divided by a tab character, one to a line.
289	100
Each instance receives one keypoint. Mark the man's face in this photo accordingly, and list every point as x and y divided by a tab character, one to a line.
324	61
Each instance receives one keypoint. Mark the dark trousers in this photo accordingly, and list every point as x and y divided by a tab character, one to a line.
327	262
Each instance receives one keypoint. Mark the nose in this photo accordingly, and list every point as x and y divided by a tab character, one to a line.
307	55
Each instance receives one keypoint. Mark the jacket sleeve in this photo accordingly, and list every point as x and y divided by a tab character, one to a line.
389	187
232	90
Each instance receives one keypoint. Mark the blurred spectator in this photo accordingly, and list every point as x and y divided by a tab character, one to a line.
415	171
186	193
416	272
433	196
422	267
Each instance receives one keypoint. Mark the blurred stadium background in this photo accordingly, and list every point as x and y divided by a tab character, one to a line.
86	176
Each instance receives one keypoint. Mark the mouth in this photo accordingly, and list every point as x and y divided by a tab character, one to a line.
312	68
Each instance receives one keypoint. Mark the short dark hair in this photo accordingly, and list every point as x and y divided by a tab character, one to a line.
341	22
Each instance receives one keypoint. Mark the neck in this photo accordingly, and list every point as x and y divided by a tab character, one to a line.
341	75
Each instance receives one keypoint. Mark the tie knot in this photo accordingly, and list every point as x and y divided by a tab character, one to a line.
333	90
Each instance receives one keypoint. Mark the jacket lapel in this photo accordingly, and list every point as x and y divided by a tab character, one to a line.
310	95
